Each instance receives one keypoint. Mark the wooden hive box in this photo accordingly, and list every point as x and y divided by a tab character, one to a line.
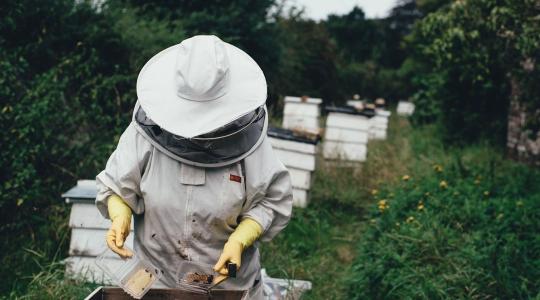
301	113
379	124
298	154
347	134
88	230
405	108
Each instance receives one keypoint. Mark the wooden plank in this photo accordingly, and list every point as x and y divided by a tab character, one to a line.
91	242
300	178
348	121
293	146
344	151
296	160
299	99
300	198
302	109
300	122
346	135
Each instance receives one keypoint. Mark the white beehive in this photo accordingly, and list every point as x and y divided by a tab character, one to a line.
88	230
299	156
346	135
301	113
379	124
405	108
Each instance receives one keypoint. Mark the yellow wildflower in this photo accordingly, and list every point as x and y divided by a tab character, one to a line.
438	168
410	219
374	192
405	177
383	205
420	205
443	184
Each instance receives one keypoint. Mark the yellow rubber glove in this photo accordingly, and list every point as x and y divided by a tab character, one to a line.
247	232
120	215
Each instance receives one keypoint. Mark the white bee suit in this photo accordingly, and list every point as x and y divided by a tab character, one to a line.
195	160
183	212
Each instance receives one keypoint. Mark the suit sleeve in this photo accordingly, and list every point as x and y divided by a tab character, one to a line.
269	196
123	172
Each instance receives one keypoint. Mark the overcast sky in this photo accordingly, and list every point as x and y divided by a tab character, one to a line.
319	9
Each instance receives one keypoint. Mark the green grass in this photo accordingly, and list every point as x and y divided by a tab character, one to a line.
467	230
464	243
320	242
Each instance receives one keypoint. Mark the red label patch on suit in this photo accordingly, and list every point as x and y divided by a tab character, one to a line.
236	178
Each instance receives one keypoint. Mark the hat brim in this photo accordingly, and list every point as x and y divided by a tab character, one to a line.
156	90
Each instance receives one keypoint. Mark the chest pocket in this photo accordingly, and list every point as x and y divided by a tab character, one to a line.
233	194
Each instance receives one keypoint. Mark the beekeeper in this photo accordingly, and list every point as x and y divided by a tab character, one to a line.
195	167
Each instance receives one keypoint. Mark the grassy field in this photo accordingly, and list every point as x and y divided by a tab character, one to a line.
320	242
385	229
417	221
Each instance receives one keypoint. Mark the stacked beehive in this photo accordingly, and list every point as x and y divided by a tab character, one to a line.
88	230
347	134
405	108
302	113
298	153
379	122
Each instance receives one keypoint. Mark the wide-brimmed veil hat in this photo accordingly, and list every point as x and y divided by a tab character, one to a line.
199	85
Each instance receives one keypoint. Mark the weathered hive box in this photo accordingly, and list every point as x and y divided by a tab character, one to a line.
88	230
347	134
298	154
379	124
405	108
302	113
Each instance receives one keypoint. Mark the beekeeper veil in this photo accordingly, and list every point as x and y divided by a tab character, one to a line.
226	145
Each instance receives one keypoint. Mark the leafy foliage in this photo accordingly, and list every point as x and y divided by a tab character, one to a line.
465	230
473	49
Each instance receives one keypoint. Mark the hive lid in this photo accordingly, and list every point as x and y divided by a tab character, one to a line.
303	99
290	135
84	191
350	110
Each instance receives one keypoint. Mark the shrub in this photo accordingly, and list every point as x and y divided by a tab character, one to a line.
468	52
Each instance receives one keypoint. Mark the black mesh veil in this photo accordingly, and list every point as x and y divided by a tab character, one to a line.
225	144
